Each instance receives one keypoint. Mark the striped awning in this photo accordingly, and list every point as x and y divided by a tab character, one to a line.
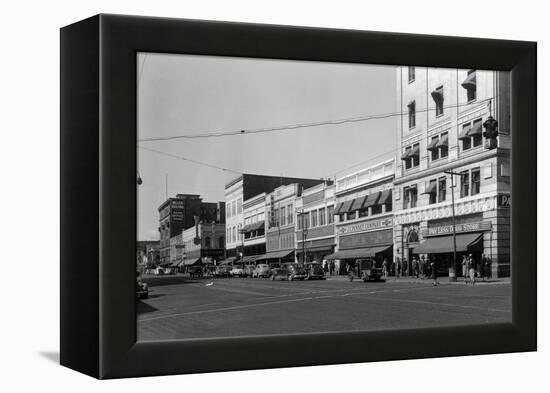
358	203
346	207
432	188
254	226
385	197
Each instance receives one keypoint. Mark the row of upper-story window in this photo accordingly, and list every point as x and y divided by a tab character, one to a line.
233	208
254	218
281	216
316	218
234	234
469	183
373	210
470	136
285	241
438	95
207	242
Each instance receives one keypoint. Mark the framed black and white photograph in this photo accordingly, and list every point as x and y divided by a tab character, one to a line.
275	196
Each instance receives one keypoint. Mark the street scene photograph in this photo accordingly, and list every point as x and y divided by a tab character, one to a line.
279	197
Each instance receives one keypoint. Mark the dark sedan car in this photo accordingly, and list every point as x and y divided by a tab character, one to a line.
296	272
279	273
315	271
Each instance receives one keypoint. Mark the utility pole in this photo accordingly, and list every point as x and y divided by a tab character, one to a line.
452	275
304	235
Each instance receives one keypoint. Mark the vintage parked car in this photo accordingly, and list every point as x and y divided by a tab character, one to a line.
195	271
279	273
261	270
295	271
237	271
222	271
142	289
366	270
315	271
248	270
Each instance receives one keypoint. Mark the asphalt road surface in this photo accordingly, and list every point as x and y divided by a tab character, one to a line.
228	307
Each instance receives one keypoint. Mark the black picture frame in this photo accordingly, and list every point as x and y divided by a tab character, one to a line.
98	195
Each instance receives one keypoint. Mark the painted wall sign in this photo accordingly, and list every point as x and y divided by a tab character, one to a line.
366	226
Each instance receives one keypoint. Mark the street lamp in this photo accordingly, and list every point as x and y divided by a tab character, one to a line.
452	269
302	214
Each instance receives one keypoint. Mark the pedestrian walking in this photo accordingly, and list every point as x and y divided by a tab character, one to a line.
416	267
464	267
422	266
404	265
472	269
385	267
433	267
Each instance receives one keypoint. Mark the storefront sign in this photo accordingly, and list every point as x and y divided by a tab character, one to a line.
504	200
369	239
466	227
366	226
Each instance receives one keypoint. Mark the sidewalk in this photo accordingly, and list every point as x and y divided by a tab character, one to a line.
441	280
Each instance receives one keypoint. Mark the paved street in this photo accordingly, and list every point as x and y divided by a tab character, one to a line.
223	307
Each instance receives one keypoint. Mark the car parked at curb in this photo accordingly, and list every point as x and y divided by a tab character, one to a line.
366	270
315	271
237	271
279	273
222	271
261	270
295	271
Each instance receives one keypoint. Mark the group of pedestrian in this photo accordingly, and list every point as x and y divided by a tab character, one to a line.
472	268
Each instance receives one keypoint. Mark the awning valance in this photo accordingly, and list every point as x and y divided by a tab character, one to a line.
465	130
444	244
385	197
368	252
476	129
372	199
275	255
470	81
338	208
433	144
432	188
443	141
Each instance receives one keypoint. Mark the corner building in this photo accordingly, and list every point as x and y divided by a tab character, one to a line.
442	128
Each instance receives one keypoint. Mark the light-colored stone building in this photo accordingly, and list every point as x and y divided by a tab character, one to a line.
441	129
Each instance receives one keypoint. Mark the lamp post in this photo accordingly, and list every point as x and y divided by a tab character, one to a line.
304	235
242	232
452	269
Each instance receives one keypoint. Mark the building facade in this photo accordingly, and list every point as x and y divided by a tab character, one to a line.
203	243
444	128
364	215
243	188
315	223
254	227
179	213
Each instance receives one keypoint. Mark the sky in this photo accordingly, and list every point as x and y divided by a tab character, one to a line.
187	95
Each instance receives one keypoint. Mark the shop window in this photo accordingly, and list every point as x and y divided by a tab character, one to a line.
352	215
412	114
330	214
376	209
412	74
313	218
416	156
322	220
476	181
464	184
442	191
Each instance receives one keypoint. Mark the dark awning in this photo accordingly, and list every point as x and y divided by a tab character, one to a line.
465	130
433	144
415	150
437	94
372	199
470	81
346	207
275	255
432	188
227	261
476	129
368	252
443	141
442	244
358	203
190	262
254	226
338	207
250	258
407	154
385	197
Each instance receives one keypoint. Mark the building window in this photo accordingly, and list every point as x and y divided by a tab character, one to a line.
476	181
432	188
283	215
221	242
342	217
444	149
466	140
464	184
437	95
414	195
410	197
306	221
290	214
376	209
234	235
442	192
434	151
470	85
416	156
406	198
364	212
477	138
408	160
322	219
313	218
207	242
352	215
234	208
412	114
330	214
412	75
299	222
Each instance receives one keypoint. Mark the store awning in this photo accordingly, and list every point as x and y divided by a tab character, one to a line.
464	132
443	244
346	207
372	199
254	226
227	261
191	262
385	197
432	188
433	144
470	81
250	258
476	129
407	154
358	203
275	255
338	207
437	95
368	252
443	141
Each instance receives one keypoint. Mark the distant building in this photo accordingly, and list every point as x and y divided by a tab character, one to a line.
315	223
443	128
203	243
243	188
147	252
177	214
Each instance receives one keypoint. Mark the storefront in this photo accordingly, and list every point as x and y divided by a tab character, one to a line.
367	239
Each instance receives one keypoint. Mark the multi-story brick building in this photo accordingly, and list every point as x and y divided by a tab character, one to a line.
177	214
243	188
364	215
441	130
254	227
315	223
